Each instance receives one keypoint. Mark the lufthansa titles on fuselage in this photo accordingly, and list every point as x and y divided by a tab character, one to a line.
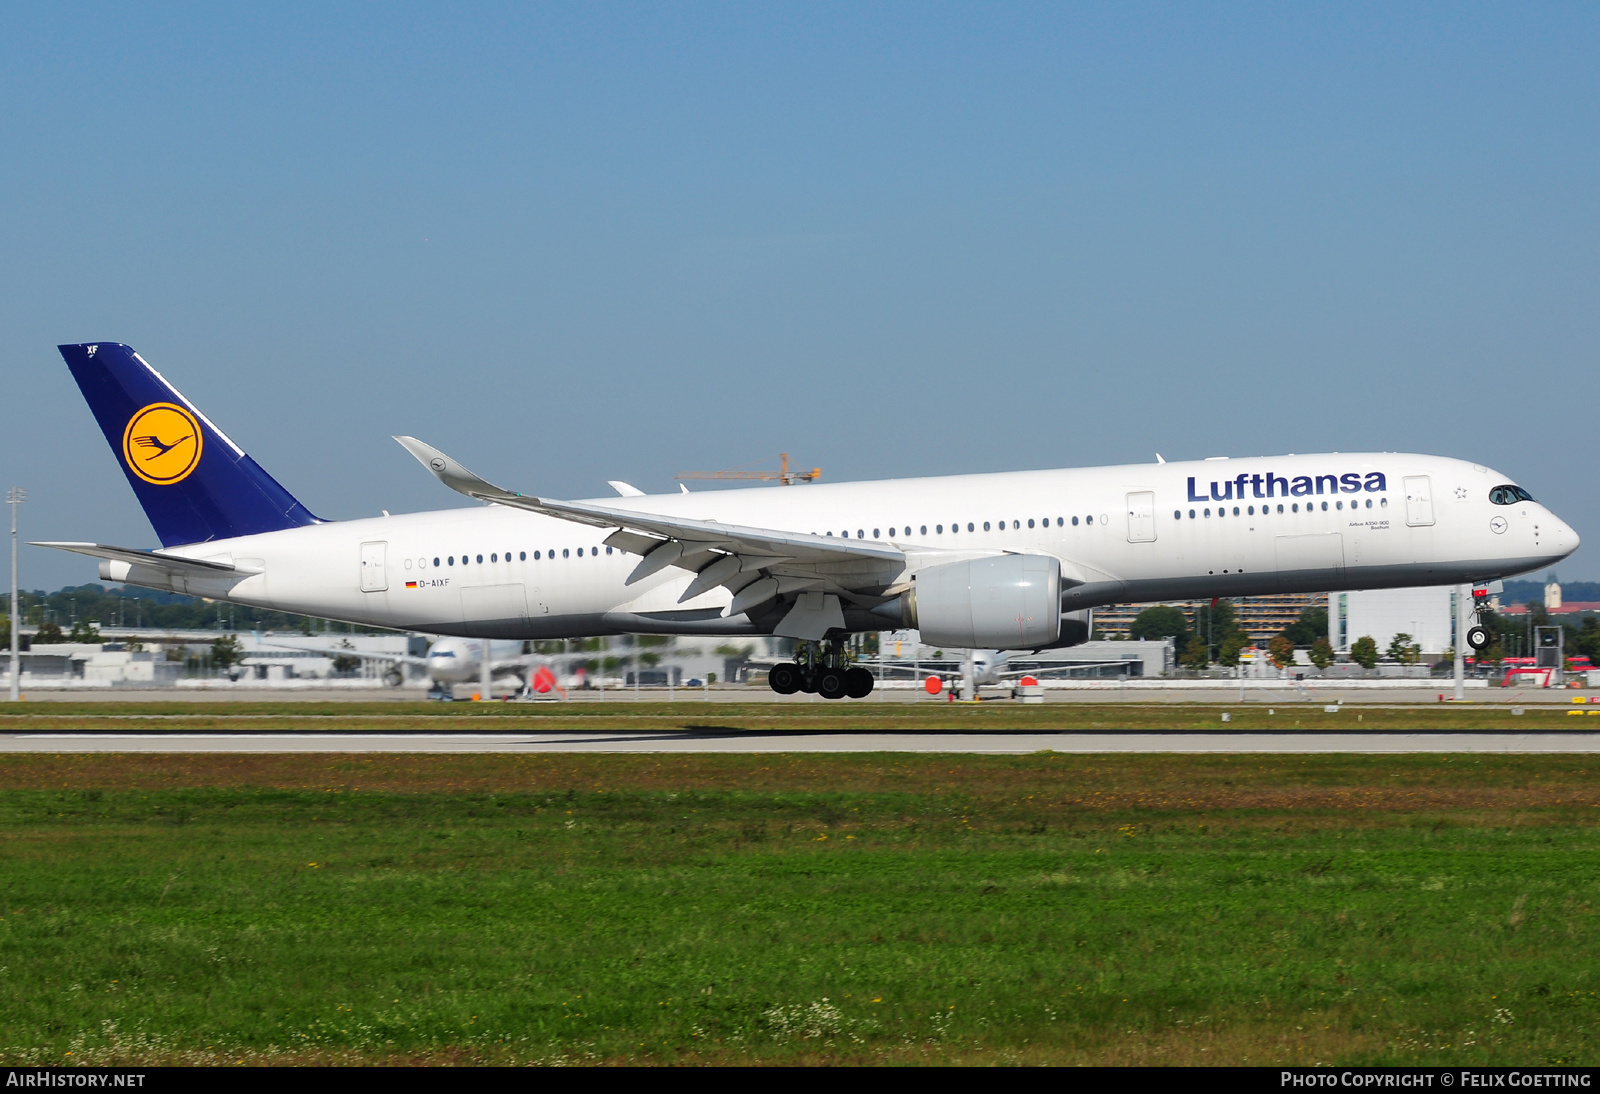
1268	485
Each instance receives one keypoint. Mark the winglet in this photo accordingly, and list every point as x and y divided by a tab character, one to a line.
462	481
457	477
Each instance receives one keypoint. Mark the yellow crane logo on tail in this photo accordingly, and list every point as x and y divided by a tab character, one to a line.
162	443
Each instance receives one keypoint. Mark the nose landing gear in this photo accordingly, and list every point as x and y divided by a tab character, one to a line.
822	668
1478	636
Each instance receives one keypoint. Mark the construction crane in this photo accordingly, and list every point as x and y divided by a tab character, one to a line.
784	476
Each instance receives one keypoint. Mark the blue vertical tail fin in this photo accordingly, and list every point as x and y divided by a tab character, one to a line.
194	483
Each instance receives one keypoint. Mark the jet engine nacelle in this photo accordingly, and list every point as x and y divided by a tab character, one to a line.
1010	602
1076	627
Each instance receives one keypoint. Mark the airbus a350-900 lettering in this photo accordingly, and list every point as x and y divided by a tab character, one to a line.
1015	560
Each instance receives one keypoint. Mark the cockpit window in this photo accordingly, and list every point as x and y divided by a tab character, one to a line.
1509	495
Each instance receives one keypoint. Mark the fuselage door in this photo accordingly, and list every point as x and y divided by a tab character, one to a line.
373	579
1142	517
1419	501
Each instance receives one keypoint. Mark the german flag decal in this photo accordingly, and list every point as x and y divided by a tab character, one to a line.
411	584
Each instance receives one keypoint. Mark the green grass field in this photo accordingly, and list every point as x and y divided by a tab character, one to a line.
818	908
820	716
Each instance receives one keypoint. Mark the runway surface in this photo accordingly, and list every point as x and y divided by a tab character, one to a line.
717	739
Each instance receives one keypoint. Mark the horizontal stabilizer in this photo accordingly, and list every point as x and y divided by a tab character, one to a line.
158	559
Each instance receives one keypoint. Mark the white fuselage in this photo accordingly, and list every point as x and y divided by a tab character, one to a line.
1134	533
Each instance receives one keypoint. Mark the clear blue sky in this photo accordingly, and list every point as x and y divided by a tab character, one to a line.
582	242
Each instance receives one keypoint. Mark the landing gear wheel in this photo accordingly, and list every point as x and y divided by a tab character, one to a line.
1478	637
784	679
830	684
858	683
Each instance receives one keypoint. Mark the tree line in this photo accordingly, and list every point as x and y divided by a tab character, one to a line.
75	614
1217	638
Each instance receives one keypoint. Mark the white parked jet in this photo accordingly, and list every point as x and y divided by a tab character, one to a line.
1000	561
451	661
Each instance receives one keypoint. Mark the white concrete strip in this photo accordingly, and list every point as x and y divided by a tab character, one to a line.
717	739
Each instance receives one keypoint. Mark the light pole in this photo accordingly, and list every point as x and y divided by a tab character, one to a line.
1463	592
15	498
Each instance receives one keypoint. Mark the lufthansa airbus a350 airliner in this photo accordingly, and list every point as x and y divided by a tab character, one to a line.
1014	560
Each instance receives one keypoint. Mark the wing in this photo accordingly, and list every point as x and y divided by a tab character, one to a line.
341	651
756	564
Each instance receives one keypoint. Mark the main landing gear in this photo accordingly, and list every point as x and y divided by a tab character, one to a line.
823	668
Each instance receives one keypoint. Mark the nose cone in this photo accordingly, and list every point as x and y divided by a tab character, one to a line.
1555	536
1565	539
